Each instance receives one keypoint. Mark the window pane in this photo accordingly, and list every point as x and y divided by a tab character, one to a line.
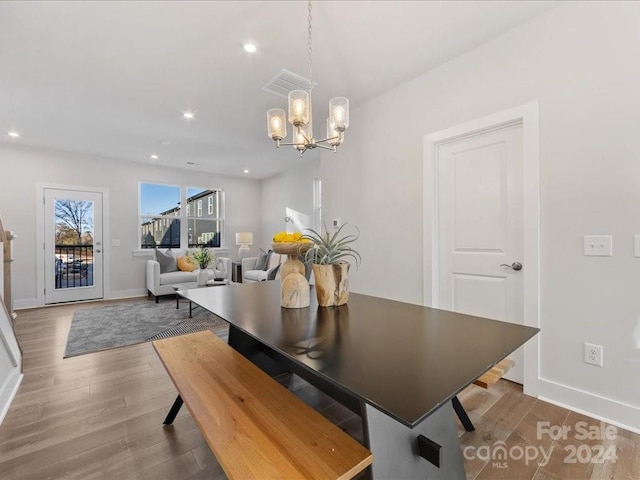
158	200
204	233
160	232
195	199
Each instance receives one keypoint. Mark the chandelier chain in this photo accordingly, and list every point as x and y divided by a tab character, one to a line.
309	18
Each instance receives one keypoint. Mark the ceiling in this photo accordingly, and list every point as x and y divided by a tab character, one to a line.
112	79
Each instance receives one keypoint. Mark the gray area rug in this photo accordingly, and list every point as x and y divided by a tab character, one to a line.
121	324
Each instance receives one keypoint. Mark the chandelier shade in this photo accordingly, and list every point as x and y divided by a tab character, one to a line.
277	125
299	114
339	113
299	107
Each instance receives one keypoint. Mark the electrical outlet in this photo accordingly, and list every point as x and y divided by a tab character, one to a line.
598	245
593	354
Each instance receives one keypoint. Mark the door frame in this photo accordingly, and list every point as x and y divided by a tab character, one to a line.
40	237
528	116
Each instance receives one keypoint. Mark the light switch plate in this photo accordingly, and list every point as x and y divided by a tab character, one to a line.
598	245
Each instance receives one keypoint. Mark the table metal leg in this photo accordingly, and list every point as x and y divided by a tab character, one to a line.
397	448
462	415
190	306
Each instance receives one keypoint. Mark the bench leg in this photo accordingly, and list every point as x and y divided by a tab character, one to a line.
462	415
174	411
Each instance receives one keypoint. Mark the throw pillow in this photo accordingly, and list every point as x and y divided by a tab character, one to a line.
185	264
271	274
261	263
167	261
274	259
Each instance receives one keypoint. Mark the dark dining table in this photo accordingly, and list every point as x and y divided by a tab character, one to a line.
397	365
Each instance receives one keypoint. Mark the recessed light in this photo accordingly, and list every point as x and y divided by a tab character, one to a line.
154	156
250	47
164	142
13	134
189	115
246	170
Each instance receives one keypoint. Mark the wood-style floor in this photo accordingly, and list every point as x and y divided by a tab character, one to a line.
99	416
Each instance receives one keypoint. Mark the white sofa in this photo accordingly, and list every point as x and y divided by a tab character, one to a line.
160	283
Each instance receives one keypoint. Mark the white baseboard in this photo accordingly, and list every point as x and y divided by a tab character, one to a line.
8	394
137	292
118	294
596	406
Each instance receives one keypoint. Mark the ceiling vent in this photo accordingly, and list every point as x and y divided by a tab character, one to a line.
285	81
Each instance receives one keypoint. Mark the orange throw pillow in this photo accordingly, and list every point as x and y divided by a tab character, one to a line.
185	264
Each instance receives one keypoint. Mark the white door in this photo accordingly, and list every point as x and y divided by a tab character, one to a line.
480	227
73	245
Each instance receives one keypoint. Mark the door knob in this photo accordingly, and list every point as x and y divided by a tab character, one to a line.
514	266
98	251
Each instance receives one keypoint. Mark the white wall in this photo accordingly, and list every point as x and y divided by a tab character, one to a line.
23	168
294	189
580	61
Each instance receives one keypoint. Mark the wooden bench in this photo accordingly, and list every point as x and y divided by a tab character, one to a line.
495	373
487	379
255	427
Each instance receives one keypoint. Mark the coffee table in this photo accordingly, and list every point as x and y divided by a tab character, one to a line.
181	287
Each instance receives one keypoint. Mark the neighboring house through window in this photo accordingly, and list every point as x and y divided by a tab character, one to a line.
163	223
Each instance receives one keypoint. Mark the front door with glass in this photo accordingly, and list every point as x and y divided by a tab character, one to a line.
73	245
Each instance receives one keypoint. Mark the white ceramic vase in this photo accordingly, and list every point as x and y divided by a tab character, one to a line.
203	276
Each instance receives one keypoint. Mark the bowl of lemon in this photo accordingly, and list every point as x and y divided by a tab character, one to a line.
290	243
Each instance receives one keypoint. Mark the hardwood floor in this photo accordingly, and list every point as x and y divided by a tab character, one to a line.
99	416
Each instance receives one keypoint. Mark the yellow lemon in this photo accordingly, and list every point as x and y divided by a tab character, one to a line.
279	237
297	236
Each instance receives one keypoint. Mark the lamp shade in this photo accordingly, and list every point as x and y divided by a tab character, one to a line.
339	113
276	124
244	238
299	107
334	137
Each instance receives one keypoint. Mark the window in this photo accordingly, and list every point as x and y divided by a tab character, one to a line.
156	203
163	223
204	230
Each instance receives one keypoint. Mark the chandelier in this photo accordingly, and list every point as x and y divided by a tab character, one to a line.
300	112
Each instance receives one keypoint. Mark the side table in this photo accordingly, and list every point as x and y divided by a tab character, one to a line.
236	272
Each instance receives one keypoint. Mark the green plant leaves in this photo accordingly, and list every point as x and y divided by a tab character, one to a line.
332	248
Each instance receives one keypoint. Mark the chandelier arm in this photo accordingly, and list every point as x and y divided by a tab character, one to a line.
327	139
333	149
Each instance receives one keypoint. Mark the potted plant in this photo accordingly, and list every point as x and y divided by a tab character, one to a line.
203	257
330	268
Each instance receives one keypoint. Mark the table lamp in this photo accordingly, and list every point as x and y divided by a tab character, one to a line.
244	239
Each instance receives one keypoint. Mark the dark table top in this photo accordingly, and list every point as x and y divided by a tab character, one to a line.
404	359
